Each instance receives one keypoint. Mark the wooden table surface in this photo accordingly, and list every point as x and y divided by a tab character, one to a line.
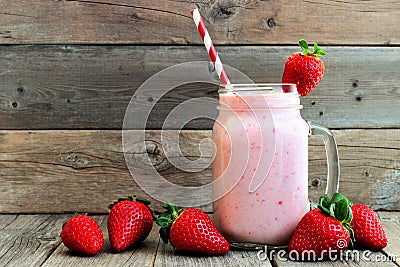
33	240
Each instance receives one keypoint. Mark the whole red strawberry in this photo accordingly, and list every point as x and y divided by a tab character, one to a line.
304	68
323	230
129	222
368	231
191	230
82	234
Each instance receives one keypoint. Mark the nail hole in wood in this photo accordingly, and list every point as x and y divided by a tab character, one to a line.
358	98
14	104
321	113
154	152
271	23
312	103
225	11
315	182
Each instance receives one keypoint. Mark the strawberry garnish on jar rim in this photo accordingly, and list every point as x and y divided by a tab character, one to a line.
305	68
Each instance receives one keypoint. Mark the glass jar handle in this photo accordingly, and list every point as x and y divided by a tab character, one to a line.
332	183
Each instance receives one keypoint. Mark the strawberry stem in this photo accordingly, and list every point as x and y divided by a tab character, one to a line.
166	219
317	52
131	198
143	200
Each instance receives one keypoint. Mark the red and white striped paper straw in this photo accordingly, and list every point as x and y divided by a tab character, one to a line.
201	27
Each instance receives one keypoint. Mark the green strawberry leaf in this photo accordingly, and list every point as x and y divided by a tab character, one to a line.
338	207
325	203
318	52
342	209
131	198
143	200
173	209
166	219
351	232
303	44
336	197
332	210
349	216
164	234
324	200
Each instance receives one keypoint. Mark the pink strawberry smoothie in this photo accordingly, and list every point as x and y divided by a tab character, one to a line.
253	141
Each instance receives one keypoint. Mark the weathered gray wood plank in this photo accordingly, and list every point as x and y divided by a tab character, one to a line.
81	87
142	255
27	240
391	224
67	171
168	257
33	240
169	22
369	162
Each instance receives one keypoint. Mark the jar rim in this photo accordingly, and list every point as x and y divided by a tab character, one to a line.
286	88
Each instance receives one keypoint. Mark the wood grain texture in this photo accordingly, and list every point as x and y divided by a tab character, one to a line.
391	224
28	240
89	87
168	257
169	22
369	161
66	171
33	240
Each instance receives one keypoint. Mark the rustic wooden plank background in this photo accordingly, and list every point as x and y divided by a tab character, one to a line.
353	22
69	68
70	174
71	87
